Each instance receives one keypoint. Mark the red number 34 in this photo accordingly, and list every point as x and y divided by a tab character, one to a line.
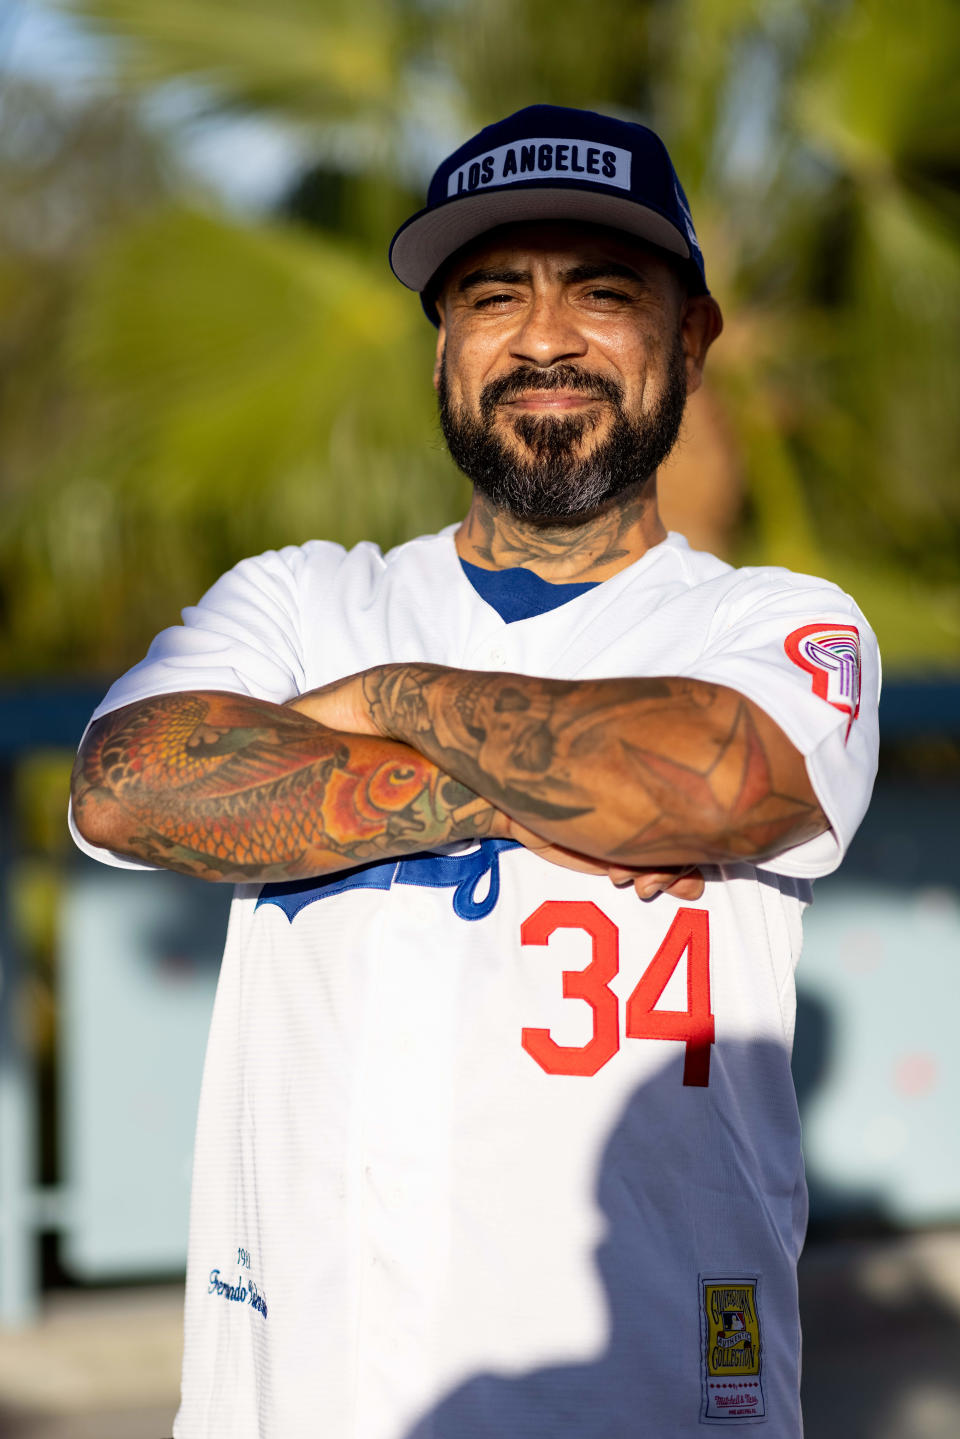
688	934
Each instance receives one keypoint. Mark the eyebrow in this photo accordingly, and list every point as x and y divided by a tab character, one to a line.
606	269
576	275
493	277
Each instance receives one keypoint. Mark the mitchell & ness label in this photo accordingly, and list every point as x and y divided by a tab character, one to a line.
731	1351
830	653
542	160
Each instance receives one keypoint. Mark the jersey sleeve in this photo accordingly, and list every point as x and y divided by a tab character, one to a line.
802	651
244	636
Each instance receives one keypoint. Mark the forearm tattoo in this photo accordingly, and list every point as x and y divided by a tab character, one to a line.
636	771
227	787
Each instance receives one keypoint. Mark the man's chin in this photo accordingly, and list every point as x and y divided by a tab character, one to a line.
548	440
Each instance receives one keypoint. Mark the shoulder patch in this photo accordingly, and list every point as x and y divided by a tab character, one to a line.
830	654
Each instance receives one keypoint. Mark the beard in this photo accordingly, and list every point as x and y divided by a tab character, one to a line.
554	474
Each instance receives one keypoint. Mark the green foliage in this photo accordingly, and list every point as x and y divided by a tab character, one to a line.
180	388
508	54
297	58
241	388
208	339
879	90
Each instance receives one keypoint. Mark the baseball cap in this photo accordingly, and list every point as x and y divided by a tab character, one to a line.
547	162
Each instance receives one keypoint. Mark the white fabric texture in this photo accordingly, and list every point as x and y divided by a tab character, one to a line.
453	1238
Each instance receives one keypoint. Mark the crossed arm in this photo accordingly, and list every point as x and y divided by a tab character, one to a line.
227	787
619	776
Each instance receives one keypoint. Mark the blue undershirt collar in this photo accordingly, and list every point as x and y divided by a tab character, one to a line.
518	594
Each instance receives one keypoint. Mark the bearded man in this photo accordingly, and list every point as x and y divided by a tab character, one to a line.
497	1134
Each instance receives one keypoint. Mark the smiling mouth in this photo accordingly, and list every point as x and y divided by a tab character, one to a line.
552	400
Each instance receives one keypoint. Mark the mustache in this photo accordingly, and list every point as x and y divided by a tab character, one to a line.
558	377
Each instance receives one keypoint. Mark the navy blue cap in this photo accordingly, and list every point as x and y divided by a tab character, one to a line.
547	162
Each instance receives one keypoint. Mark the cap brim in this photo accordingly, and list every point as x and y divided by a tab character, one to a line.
430	237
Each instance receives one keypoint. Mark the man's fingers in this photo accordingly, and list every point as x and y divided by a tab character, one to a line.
622	877
685	884
688	886
681	883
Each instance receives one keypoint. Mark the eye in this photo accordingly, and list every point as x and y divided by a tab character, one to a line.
604	294
485	302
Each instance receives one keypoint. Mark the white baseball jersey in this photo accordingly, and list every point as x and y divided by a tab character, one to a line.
488	1148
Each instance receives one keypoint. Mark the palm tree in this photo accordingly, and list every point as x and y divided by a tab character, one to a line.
268	382
225	386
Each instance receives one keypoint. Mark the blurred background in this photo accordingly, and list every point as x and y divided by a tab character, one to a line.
203	354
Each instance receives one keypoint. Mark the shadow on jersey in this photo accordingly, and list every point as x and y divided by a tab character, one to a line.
868	1359
678	1191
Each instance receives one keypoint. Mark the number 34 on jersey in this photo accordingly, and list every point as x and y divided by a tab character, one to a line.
687	938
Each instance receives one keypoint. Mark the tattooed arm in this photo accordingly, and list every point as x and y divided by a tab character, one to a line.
226	787
636	772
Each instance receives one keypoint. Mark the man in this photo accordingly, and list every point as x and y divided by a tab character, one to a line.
489	1145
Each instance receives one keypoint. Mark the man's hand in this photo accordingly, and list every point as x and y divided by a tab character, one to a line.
341	706
648	883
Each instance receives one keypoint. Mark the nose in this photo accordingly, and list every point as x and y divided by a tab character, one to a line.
548	333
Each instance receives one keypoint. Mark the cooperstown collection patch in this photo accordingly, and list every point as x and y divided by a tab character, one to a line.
731	1351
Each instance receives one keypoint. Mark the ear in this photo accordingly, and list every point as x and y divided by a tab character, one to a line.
700	324
441	345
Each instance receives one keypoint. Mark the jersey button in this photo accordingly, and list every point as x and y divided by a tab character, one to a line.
497	657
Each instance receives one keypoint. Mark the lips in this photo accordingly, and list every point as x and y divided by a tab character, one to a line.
554	399
562	388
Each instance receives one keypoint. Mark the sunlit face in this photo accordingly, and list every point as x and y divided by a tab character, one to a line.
563	365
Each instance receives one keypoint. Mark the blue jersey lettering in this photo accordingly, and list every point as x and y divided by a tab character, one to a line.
463	873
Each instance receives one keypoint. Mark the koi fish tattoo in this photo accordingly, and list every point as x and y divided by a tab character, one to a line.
227	787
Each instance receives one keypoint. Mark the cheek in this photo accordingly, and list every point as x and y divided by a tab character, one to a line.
641	348
643	365
630	354
467	369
